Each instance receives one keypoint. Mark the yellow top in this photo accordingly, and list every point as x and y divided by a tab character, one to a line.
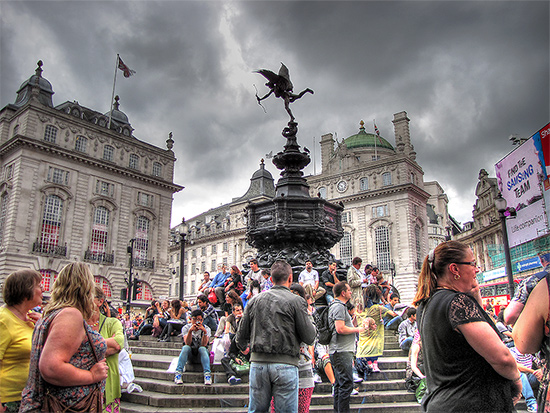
15	355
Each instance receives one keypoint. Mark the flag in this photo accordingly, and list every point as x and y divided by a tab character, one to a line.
127	71
375	127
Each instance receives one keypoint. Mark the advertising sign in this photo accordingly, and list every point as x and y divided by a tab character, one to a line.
518	179
541	139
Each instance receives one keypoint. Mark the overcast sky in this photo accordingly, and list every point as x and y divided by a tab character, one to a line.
469	75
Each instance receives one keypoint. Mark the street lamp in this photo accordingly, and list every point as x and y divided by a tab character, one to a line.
183	232
500	204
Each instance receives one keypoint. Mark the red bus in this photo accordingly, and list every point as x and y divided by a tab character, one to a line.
497	294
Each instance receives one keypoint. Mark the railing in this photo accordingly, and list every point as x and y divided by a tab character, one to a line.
49	249
99	257
142	263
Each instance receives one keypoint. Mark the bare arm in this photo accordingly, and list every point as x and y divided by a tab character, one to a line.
64	338
512	312
485	341
342	328
415	350
529	328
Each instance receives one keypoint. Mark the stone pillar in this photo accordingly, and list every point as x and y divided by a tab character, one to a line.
402	132
327	150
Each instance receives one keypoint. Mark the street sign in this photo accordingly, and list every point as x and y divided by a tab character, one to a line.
528	264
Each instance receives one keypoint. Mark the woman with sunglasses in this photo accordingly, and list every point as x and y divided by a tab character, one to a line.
468	368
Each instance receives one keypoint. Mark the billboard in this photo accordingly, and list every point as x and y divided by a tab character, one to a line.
519	177
541	139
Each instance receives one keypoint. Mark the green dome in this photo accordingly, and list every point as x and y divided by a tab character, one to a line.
366	140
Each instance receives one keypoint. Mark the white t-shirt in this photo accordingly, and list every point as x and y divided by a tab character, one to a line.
309	277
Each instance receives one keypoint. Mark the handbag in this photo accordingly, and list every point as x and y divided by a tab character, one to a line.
212	297
93	402
240	369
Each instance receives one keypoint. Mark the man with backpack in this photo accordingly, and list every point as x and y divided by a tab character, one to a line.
342	346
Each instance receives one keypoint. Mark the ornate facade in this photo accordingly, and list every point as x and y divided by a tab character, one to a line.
76	185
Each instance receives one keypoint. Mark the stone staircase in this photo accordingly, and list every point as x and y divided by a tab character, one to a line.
380	393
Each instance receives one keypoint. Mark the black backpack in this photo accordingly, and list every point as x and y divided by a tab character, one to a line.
323	327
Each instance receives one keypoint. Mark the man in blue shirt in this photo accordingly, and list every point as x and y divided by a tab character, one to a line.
392	323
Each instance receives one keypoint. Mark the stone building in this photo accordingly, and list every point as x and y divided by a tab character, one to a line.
391	216
77	185
218	236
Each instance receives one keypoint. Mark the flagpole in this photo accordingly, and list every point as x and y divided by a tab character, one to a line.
375	139
113	94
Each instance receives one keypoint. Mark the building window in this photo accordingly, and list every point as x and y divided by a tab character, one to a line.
108	153
345	249
100	232
412	177
213	266
386	178
48	278
141	244
104	188
346	217
418	244
225	261
3	211
50	134
364	184
134	161
81	144
194	254
203	251
145	199
105	286
323	192
375	157
225	247
8	172
58	176
203	266
214	248
51	223
146	292
157	169
380	211
382	238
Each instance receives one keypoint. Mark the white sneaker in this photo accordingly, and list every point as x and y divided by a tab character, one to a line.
177	378
356	378
354	392
207	379
134	387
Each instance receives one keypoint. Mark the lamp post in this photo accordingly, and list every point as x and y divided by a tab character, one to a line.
130	250
183	232
500	204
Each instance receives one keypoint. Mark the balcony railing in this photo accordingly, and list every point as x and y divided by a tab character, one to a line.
49	249
99	257
143	263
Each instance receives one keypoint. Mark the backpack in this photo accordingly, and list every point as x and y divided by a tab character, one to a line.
323	327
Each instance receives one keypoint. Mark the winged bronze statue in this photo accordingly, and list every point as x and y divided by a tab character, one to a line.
281	86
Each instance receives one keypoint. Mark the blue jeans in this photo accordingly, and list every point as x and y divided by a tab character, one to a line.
273	380
406	344
527	391
342	365
184	355
393	324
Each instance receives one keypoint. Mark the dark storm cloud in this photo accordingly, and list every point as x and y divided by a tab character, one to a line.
468	74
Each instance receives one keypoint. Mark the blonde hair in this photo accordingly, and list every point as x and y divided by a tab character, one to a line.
74	287
435	266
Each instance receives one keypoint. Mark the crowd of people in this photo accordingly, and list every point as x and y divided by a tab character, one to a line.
70	353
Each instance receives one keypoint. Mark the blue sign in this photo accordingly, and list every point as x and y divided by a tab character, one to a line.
496	273
527	264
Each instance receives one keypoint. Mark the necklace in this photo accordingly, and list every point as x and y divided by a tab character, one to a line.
94	324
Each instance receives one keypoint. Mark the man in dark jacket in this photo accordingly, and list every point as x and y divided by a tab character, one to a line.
275	322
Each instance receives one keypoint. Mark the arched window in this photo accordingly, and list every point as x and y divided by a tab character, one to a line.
50	230
364	184
157	169
48	278
345	249
3	210
141	243
100	231
108	153
382	239
81	144
134	161
50	133
386	178
146	292
323	192
105	285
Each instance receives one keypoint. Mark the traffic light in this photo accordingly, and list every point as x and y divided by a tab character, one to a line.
124	294
137	289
